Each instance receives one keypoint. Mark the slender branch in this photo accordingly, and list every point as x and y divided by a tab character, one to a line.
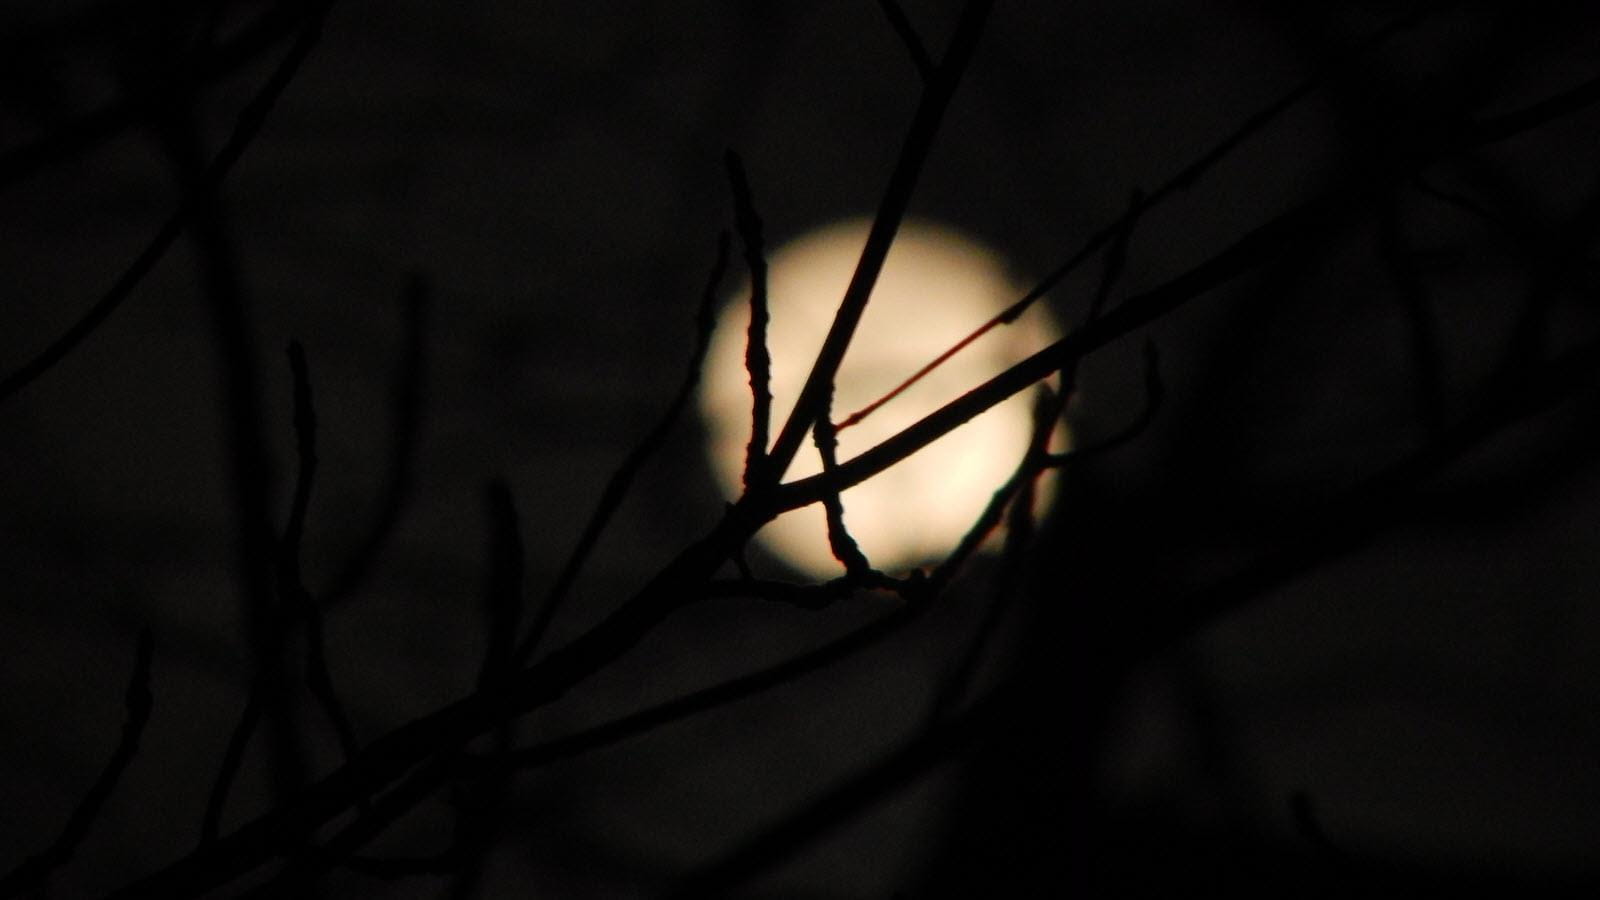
1019	494
1349	522
291	582
724	693
840	542
907	33
478	802
503	596
858	792
251	119
408	401
311	862
925	122
1155	392
503	604
232	761
34	870
1185	178
757	361
305	432
1255	249
392	757
622	479
1507	125
97	126
821	595
1395	253
1047	411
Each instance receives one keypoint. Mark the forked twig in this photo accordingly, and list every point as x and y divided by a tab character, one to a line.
936	96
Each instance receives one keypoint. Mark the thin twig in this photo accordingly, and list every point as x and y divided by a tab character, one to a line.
757	360
856	793
820	595
85	132
310	862
1520	121
138	702
1185	178
844	547
907	33
1256	248
1426	363
407	394
305	433
291	582
232	761
503	593
727	692
390	758
936	96
251	119
622	479
1155	393
1019	496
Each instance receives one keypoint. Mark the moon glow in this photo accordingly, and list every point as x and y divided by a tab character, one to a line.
936	287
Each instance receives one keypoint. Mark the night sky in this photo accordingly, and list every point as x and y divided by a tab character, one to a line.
1322	625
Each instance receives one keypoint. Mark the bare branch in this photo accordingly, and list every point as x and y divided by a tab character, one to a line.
936	95
251	119
1254	249
622	479
839	540
757	361
907	33
1155	392
737	689
94	128
1509	125
1046	412
291	582
853	795
232	761
408	401
1396	256
503	596
138	701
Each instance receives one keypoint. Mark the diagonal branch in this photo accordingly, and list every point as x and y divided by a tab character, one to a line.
914	151
1257	248
907	33
84	132
251	120
622	479
36	869
407	396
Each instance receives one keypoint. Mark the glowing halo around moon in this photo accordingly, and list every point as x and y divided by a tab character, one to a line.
936	287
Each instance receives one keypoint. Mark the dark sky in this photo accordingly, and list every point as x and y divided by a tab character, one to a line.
1350	559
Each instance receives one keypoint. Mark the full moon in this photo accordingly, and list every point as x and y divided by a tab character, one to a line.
936	288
